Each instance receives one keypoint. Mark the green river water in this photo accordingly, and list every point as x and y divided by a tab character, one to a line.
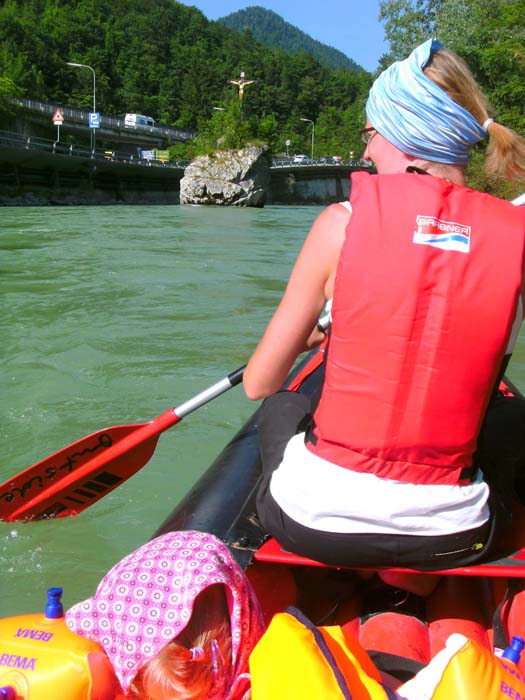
111	315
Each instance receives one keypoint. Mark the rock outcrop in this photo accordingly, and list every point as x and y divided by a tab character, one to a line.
227	178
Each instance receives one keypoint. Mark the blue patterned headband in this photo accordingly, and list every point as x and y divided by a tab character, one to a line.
417	116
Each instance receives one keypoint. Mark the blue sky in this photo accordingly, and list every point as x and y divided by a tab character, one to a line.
348	25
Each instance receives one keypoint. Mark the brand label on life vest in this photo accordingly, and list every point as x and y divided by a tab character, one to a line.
34	634
447	235
15	661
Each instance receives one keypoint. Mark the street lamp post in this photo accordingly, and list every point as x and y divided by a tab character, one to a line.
83	65
303	119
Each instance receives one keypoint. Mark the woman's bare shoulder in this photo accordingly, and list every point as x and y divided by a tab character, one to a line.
335	212
331	223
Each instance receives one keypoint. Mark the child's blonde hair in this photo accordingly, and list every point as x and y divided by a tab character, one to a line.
195	665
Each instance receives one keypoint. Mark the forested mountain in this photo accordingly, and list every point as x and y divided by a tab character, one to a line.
166	60
273	31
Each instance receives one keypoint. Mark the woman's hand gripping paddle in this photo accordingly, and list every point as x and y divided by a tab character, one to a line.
72	479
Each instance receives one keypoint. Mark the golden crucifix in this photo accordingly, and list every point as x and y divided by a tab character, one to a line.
241	84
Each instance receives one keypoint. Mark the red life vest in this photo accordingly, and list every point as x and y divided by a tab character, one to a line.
425	296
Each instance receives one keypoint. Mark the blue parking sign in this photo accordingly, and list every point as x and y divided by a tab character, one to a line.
94	120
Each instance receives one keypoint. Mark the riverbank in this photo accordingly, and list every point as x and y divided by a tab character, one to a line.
32	177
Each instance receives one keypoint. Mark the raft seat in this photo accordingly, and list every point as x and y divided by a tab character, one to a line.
512	566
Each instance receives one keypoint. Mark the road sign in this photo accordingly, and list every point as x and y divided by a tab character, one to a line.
58	117
94	120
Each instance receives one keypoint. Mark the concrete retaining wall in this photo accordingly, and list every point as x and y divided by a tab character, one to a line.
32	177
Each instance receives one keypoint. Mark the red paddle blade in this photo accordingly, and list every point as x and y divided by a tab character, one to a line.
75	477
21	496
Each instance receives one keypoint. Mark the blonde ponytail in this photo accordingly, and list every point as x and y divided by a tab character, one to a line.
505	153
505	157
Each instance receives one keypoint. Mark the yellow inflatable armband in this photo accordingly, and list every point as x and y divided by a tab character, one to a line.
465	669
294	660
41	659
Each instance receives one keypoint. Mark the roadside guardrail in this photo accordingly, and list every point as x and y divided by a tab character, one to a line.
33	143
82	115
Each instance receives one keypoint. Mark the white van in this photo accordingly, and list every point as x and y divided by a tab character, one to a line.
138	120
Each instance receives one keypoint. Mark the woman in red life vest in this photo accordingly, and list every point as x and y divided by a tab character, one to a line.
400	463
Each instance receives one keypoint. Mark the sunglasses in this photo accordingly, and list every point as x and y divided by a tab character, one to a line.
367	135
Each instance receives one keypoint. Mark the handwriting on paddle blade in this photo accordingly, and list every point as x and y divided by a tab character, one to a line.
27	484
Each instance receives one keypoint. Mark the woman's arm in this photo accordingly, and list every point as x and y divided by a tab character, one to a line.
310	285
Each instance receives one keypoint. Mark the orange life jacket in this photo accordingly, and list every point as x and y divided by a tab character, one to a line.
426	293
294	660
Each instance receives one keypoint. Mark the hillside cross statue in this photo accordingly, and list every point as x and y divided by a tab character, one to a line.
241	84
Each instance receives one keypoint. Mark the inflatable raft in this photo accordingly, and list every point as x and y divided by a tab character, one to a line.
402	631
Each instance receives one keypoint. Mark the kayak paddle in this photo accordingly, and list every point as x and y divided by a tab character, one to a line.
75	477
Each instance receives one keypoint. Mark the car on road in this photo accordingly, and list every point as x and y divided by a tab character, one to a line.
301	159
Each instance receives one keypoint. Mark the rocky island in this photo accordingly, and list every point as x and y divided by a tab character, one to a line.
238	178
